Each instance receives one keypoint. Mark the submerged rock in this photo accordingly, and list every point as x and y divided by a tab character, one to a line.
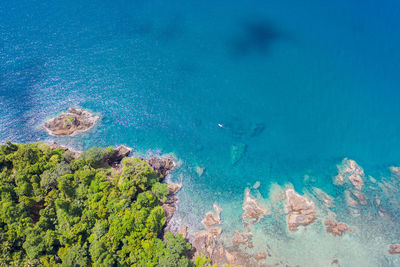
260	256
161	165
336	228
237	152
395	170
256	185
252	211
394	249
75	120
242	238
323	196
199	170
362	199
300	210
350	171
256	129
349	199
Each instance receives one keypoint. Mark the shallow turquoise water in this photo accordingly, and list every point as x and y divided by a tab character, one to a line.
322	77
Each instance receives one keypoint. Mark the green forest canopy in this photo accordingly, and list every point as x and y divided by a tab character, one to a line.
58	210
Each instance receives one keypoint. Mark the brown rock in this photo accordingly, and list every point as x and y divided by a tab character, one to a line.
161	165
350	200
173	188
242	238
183	231
119	153
394	249
212	219
349	170
74	121
360	196
336	228
169	207
260	256
207	242
300	210
252	211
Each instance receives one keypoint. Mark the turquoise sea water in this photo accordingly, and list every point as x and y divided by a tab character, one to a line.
321	77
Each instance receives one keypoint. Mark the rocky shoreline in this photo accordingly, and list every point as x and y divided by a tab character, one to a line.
300	211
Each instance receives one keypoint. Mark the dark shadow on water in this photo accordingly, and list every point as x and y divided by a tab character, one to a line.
254	37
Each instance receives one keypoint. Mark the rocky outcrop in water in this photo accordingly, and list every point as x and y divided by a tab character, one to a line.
252	211
211	218
336	228
350	171
75	120
394	249
161	165
242	238
207	242
300	210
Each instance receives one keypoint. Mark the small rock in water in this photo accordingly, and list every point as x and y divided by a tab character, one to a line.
256	185
394	249
211	218
256	129
199	170
75	120
336	228
237	152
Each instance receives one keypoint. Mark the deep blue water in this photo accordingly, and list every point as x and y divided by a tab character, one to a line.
322	76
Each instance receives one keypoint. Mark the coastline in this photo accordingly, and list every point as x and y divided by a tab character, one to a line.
312	209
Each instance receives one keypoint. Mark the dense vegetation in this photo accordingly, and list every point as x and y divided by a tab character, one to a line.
59	210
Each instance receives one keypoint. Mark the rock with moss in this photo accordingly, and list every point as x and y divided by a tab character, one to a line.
74	121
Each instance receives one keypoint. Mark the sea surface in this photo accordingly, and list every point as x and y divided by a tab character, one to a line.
299	84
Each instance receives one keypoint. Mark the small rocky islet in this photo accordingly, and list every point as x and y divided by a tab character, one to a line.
74	121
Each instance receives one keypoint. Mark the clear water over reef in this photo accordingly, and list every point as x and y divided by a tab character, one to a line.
301	84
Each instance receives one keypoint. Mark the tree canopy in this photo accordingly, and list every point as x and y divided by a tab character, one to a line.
62	211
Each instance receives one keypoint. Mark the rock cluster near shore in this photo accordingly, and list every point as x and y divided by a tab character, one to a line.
300	210
350	171
75	120
252	211
170	205
211	218
161	165
336	228
208	242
